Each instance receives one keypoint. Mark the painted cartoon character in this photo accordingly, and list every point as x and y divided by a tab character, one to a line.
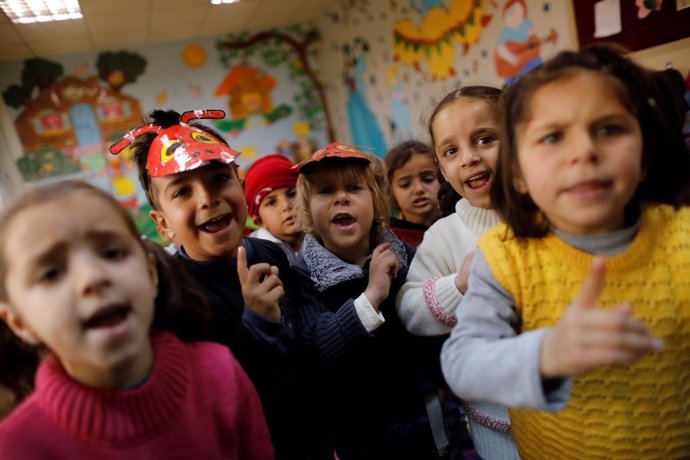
519	48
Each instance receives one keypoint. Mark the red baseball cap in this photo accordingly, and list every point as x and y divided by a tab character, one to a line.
333	150
182	147
265	175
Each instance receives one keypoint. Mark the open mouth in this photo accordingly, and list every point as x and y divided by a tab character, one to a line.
478	180
588	188
343	220
420	202
108	317
216	224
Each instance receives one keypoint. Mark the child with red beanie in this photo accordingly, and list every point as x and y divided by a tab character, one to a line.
269	189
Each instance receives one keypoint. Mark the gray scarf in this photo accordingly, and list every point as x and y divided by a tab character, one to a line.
327	270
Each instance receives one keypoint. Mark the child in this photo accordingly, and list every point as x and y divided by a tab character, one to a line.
366	375
464	134
569	301
189	175
269	190
413	179
77	279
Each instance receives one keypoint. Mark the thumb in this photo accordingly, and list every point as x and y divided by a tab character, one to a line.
242	270
591	288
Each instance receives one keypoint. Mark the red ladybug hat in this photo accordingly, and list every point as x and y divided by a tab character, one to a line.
182	147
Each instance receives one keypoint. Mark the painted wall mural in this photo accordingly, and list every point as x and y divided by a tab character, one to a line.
293	50
419	50
69	109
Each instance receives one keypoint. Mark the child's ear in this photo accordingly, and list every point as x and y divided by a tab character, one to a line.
164	229
17	325
257	220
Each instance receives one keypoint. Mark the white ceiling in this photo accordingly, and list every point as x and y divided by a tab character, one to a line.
117	24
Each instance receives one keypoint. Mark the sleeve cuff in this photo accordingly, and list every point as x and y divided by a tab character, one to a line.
260	326
370	318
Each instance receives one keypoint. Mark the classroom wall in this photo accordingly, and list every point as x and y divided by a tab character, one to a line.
386	64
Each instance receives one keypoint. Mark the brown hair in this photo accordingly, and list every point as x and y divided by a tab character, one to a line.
344	171
665	157
399	155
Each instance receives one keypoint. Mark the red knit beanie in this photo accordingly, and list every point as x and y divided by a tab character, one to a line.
265	175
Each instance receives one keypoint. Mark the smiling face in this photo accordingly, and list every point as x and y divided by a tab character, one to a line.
202	210
79	282
580	154
466	146
343	214
276	215
415	189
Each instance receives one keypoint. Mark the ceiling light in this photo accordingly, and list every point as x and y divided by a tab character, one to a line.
28	11
220	2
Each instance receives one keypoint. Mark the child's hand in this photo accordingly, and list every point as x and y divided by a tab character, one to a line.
464	273
262	290
383	268
587	337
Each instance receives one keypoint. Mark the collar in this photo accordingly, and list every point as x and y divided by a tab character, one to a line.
327	270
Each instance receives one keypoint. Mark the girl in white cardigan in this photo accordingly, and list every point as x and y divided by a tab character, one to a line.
464	135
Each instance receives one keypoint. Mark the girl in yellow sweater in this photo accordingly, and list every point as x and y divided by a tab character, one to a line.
578	308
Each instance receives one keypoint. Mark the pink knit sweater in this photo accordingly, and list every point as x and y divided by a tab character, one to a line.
197	403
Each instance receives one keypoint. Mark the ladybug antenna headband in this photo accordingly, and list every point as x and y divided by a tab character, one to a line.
180	147
185	118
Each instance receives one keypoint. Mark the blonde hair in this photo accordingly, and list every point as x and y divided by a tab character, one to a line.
344	171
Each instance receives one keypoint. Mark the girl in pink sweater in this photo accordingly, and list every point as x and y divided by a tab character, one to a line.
76	278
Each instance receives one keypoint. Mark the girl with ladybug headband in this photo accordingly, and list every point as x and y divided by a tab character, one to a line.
190	178
366	377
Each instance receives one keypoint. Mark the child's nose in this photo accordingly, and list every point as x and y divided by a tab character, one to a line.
468	158
206	198
342	197
91	275
582	148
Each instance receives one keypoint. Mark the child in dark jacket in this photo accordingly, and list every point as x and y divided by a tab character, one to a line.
190	178
367	376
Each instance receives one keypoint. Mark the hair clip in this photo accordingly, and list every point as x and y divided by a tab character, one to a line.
185	118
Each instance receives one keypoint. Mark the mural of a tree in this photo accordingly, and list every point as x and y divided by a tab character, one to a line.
119	68
292	47
37	73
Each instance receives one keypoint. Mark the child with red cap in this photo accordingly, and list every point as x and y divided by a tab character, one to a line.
190	178
366	379
269	189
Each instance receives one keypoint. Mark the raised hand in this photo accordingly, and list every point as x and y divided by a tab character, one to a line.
383	268
262	290
587	336
464	273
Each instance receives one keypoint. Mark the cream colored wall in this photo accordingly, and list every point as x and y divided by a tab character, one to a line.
677	54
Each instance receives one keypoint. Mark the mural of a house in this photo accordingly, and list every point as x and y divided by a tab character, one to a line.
68	128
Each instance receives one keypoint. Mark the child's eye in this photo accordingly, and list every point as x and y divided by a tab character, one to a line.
354	187
450	151
114	253
181	192
49	274
551	138
429	178
325	191
608	130
270	202
291	193
221	177
404	185
485	140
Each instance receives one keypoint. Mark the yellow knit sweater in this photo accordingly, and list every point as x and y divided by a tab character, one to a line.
636	411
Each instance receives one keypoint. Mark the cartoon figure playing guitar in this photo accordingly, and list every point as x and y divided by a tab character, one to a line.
519	48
